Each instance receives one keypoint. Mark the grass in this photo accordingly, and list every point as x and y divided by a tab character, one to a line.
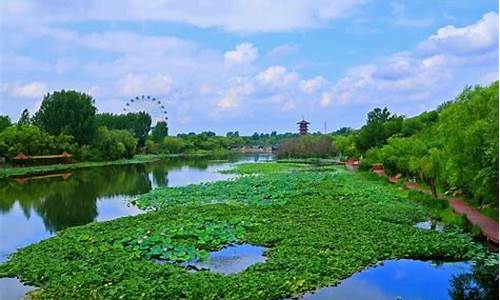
324	225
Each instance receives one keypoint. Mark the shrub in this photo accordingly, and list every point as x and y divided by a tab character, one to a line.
30	140
115	144
306	146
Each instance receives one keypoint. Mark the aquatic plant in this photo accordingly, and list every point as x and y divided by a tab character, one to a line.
327	226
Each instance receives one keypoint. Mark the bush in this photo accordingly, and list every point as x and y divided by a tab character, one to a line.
115	144
173	145
306	146
31	140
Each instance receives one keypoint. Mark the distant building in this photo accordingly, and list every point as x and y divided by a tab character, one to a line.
303	127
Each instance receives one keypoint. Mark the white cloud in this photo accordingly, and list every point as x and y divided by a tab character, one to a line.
440	66
238	87
277	76
310	86
326	99
242	54
133	85
233	15
34	89
229	100
282	50
481	36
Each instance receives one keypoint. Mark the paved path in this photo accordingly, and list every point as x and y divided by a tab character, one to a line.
489	227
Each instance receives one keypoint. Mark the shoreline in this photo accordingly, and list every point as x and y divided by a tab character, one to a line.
13	172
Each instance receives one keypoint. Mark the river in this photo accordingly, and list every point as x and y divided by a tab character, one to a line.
33	209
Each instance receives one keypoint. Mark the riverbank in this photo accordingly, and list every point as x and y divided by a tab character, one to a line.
318	224
37	170
486	224
138	159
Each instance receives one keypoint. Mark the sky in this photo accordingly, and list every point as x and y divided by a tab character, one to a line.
248	65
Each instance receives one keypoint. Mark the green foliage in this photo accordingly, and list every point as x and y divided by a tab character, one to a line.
306	146
346	146
16	171
68	112
379	127
468	130
30	140
315	239
255	190
172	144
457	147
4	122
265	167
24	119
185	242
137	123
159	132
114	144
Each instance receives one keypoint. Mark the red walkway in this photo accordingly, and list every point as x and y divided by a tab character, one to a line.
489	227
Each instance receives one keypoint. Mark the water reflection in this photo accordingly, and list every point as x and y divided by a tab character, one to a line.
413	279
231	259
33	210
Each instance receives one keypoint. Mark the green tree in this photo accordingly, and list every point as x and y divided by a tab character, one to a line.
4	122
68	112
137	123
24	119
160	131
115	144
30	140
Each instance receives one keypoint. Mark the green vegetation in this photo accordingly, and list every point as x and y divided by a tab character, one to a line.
138	159
68	112
306	146
32	140
454	148
168	243
137	123
322	226
264	167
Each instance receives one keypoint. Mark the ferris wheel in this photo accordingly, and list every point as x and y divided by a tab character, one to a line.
145	103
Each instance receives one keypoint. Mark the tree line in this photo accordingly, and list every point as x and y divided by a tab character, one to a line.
452	148
69	121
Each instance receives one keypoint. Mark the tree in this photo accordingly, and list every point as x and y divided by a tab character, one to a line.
378	115
160	131
137	123
30	140
24	119
115	144
68	112
4	122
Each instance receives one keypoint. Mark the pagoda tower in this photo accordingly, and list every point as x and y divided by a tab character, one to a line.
303	127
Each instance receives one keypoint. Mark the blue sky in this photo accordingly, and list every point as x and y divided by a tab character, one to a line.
248	65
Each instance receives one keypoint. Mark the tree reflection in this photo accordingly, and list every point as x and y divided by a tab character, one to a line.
480	284
64	203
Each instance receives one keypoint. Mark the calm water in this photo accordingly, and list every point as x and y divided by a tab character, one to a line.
231	259
35	209
398	279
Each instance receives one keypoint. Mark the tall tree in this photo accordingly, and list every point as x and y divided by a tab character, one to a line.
160	131
68	112
24	119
